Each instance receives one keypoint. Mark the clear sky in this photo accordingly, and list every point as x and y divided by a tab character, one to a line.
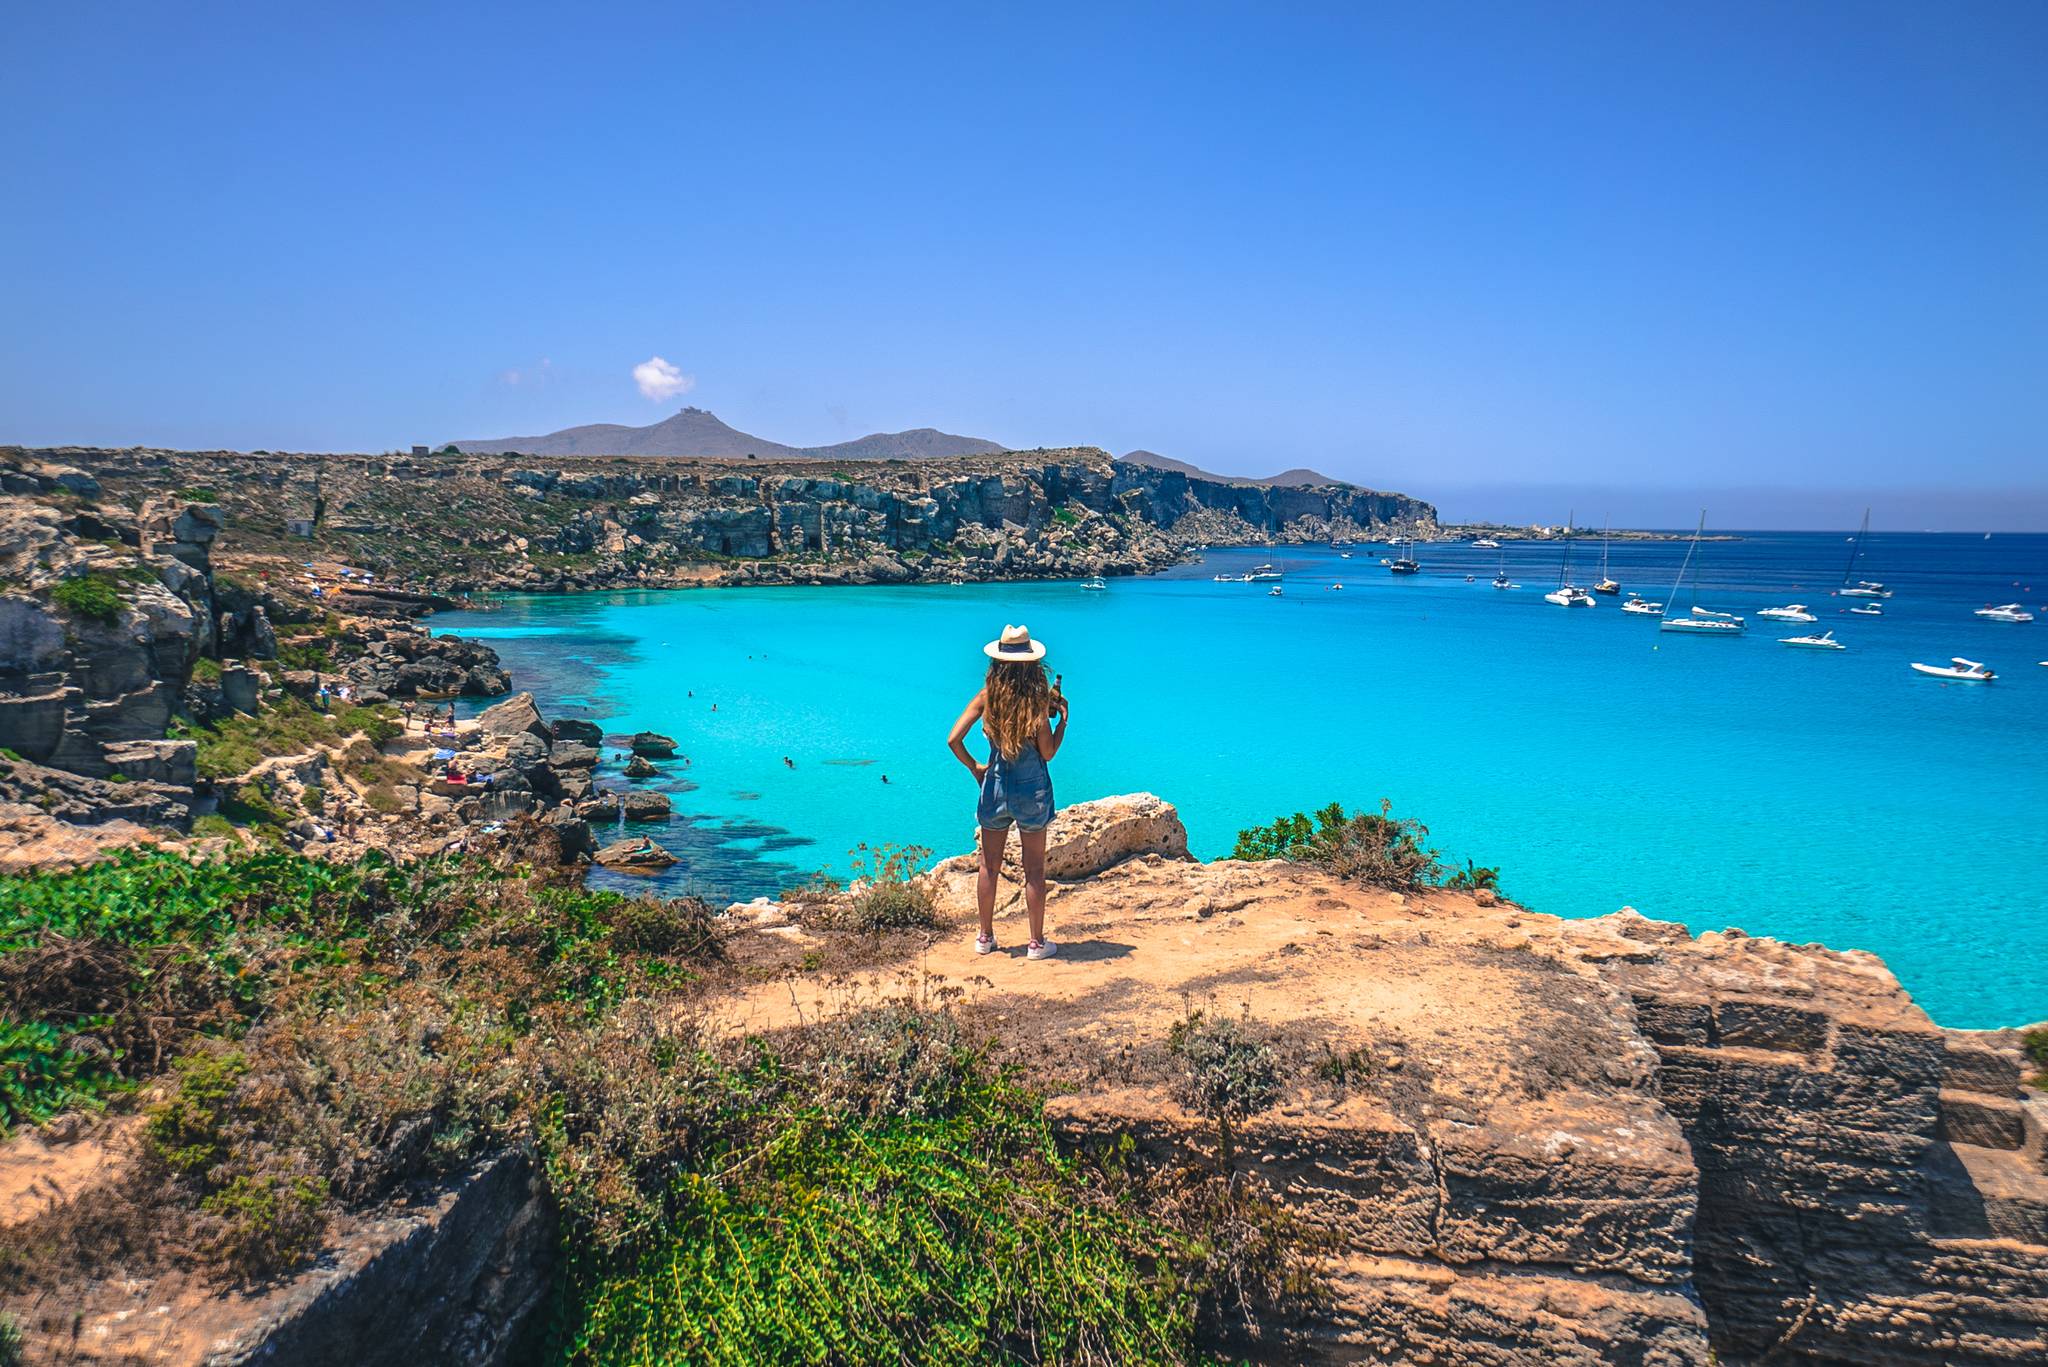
1450	248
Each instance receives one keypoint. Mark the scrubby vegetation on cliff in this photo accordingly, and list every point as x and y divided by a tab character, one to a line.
302	1042
1374	848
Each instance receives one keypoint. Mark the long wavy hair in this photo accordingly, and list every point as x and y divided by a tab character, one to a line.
1019	698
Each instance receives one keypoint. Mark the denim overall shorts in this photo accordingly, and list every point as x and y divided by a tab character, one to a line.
1015	792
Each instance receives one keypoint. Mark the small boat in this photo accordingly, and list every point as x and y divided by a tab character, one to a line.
1958	669
1263	574
1868	610
1568	594
2008	612
1471	578
1400	541
1275	591
1094	584
1230	579
1862	588
1405	565
1343	555
1791	612
1334	588
1606	584
1825	641
1486	543
1642	606
1699	621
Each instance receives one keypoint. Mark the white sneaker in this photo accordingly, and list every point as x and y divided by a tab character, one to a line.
984	944
1041	949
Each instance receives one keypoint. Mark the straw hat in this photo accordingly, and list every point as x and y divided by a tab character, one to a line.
1015	644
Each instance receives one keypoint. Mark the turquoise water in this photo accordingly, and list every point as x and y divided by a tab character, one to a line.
1832	797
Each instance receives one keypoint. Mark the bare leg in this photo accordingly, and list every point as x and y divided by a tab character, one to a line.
992	843
1031	845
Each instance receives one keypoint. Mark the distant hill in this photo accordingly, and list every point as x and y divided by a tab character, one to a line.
696	432
1286	479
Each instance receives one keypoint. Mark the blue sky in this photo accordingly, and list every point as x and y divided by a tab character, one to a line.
1460	249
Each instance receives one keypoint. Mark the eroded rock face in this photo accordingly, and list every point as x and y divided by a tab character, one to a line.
1088	837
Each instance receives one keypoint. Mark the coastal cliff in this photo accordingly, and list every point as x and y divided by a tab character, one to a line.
1493	1136
456	523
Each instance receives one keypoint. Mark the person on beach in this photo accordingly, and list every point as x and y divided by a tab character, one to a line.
1016	787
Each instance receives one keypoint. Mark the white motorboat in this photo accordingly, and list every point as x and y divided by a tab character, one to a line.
1486	543
1791	612
1400	541
1262	574
1958	669
1275	591
1094	584
1825	641
1230	579
2007	612
1642	606
1336	588
1343	555
1868	610
1861	588
1698	621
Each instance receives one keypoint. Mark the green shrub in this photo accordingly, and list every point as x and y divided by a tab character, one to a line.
2035	1043
1228	1073
212	824
41	1074
1066	517
206	670
261	1226
13	1350
1376	849
199	494
96	595
883	895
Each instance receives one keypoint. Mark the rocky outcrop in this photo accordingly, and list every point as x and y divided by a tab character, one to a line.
635	854
396	663
1553	1141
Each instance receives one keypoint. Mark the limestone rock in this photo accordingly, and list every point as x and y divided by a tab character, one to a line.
573	754
639	767
511	717
638	804
571	728
635	854
652	745
1089	837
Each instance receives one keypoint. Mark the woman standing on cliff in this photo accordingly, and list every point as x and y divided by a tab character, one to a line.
1016	787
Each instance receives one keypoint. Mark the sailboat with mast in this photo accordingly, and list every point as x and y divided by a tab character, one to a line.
1862	588
1698	621
1606	584
1568	594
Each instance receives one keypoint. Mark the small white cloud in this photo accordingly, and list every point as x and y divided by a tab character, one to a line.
538	373
659	380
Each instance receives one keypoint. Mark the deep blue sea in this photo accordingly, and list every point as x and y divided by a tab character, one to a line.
1814	796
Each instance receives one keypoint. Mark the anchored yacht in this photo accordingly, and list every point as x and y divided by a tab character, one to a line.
2009	612
1791	612
1957	669
1825	641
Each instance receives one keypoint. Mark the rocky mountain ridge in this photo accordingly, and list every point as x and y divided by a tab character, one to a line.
696	432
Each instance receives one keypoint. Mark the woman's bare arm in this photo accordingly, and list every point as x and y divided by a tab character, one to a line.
1049	737
957	741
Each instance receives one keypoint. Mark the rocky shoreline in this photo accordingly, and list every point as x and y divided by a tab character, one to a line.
450	525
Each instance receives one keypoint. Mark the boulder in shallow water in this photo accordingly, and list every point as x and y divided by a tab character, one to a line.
638	767
637	805
652	745
635	854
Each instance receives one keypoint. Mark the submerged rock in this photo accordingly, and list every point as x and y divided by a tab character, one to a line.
638	767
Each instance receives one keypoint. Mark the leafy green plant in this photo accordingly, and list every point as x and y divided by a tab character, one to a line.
883	894
2035	1044
13	1349
1473	878
199	494
95	595
1374	848
42	1075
